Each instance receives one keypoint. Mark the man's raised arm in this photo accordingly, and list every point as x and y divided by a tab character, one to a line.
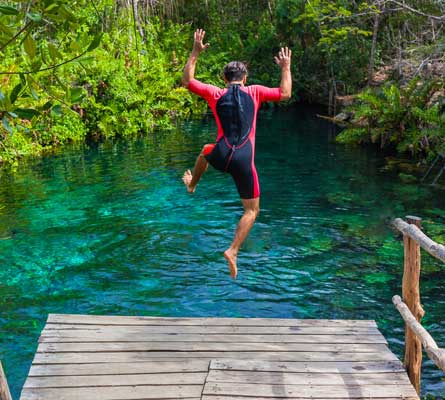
198	47
283	60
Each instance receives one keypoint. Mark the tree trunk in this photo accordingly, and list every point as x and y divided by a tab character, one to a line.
411	297
373	47
136	18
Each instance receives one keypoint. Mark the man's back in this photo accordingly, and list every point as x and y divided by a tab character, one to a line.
223	106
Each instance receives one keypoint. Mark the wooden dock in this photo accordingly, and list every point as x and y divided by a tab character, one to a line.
100	357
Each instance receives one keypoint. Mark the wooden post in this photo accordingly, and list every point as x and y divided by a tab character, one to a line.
4	389
411	297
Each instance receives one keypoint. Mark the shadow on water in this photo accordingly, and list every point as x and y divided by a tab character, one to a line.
110	230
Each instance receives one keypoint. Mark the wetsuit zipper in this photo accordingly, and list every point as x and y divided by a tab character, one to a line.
230	157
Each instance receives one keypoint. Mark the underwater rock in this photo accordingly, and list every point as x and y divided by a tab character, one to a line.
393	162
408	167
403	166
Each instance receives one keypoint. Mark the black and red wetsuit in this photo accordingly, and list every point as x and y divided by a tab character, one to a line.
235	109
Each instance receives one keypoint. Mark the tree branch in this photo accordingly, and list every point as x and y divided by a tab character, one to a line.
95	9
43	69
415	11
16	35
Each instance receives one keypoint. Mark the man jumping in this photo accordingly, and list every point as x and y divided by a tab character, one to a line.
235	108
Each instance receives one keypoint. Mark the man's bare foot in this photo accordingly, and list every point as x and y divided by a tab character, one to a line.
187	179
231	259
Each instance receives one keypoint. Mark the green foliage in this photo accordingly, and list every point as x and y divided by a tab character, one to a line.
124	87
71	70
334	42
37	41
137	92
402	118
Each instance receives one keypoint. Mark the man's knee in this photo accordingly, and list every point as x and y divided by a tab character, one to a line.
256	210
253	210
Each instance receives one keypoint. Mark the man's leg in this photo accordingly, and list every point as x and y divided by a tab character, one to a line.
191	180
251	211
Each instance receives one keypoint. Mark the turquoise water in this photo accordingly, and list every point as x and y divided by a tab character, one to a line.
111	230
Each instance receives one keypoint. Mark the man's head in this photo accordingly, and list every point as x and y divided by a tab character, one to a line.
235	71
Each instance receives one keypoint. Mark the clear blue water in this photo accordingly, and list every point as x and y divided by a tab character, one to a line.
111	230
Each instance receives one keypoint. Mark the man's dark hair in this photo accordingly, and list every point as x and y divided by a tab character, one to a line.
235	71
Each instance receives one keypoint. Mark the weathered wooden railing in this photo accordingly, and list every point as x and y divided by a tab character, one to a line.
410	308
4	389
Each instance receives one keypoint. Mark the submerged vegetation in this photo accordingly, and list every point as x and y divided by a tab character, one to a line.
72	71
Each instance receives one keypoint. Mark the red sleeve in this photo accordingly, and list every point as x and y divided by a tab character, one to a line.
202	89
268	94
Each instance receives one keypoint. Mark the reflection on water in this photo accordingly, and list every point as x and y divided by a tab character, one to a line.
111	230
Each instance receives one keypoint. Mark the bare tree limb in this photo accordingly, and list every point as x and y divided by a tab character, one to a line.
418	12
435	249
43	69
436	354
373	47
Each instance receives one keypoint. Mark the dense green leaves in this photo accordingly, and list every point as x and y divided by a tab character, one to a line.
399	118
15	92
54	53
8	10
90	82
30	46
26	113
75	95
34	16
95	43
6	125
56	111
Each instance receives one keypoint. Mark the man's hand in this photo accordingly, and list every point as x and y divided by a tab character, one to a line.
284	56
198	45
283	60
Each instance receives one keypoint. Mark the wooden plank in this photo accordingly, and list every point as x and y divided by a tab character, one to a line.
268	322
120	368
196	346
189	378
113	393
345	367
321	379
320	392
217	397
295	330
203	330
5	394
100	357
91	336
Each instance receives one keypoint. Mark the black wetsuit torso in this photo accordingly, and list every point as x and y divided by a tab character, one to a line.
235	111
233	152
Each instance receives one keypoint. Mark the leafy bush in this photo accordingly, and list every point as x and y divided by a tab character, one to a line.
404	119
112	84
